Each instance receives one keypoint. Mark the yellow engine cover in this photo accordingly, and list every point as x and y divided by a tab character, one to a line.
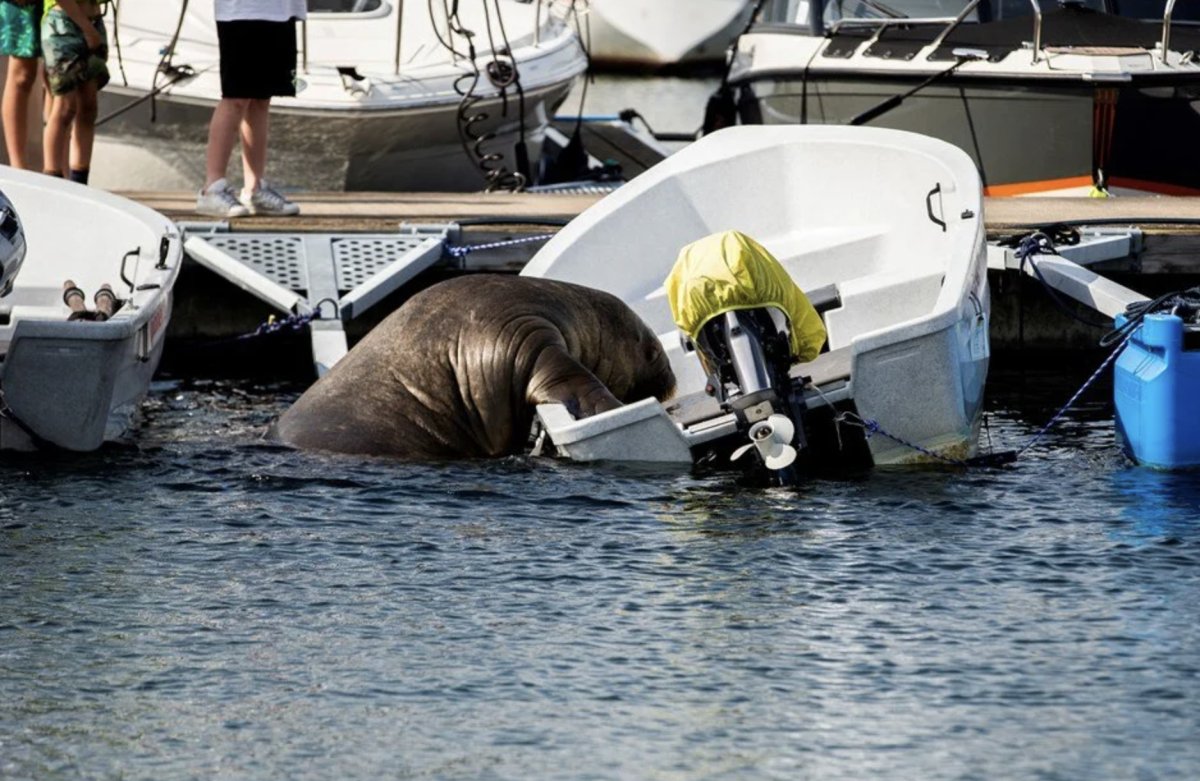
729	271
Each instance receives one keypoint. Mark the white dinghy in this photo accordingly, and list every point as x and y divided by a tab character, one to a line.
884	231
382	102
70	377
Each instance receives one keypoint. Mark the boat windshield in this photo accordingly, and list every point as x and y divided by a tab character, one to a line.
798	11
343	6
1153	9
894	9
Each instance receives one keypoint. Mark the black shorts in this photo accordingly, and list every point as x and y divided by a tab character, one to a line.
258	58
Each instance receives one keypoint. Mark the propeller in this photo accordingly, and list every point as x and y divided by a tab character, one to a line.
773	438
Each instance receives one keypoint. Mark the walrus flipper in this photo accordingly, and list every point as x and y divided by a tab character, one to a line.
559	378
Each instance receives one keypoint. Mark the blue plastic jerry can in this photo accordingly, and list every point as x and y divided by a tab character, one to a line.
1156	388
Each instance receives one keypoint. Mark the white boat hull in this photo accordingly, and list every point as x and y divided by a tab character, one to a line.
376	108
411	149
75	385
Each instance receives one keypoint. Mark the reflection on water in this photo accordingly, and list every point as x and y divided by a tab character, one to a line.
205	606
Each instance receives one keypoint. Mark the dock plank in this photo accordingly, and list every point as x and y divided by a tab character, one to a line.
1170	225
364	211
371	210
1176	215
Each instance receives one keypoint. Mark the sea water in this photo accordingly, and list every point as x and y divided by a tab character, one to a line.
202	605
205	606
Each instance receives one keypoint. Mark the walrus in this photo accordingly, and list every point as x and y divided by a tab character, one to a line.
457	371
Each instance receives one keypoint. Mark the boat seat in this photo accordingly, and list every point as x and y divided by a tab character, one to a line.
824	298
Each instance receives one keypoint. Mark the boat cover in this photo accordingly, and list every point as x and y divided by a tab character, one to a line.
729	271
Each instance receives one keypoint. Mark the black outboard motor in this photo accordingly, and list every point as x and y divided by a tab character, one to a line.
740	310
746	355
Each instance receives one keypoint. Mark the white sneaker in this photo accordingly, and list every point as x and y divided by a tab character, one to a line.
218	200
267	200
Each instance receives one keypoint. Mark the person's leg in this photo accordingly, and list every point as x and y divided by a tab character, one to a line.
255	128
18	86
257	195
217	198
273	73
222	135
83	133
58	133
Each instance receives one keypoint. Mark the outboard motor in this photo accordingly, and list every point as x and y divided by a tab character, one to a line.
746	354
12	245
748	322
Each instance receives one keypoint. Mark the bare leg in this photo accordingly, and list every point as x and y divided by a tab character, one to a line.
83	134
18	86
58	133
255	128
222	135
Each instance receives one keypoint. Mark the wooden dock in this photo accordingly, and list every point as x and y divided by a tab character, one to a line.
1171	226
377	212
208	309
369	211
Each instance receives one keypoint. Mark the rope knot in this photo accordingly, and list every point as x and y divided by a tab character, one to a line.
1036	243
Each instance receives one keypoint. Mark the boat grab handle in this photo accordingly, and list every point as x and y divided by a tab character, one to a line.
937	190
1037	30
1166	30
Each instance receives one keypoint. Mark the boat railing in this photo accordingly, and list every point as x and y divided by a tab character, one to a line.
963	14
952	23
1166	31
398	5
399	32
1037	30
889	22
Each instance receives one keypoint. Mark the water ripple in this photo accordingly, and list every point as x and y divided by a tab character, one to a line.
206	605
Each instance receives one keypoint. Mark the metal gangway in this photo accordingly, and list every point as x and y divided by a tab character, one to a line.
323	279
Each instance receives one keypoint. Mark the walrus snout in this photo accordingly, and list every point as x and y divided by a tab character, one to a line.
655	377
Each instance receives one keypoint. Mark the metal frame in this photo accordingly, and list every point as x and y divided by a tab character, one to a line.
320	266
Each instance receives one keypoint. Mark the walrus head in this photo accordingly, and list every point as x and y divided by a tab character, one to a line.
627	356
654	376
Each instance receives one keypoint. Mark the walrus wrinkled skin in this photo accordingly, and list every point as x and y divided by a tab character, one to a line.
457	371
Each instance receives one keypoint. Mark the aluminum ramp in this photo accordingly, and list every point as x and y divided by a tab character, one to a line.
332	277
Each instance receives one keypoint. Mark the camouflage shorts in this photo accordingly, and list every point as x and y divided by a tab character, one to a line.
69	64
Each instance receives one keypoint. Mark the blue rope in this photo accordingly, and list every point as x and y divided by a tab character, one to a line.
292	322
1039	243
1074	398
872	427
462	250
1033	244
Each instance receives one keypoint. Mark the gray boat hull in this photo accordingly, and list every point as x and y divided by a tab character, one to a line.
1003	127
